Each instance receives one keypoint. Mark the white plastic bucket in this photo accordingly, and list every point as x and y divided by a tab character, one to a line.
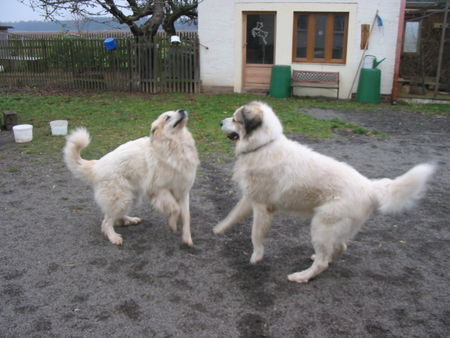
175	39
369	61
59	127
23	133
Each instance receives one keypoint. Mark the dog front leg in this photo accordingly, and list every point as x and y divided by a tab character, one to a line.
241	210
262	221
186	220
108	230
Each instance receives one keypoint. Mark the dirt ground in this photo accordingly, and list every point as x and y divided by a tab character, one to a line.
60	277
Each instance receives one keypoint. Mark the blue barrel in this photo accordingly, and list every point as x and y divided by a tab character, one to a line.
110	43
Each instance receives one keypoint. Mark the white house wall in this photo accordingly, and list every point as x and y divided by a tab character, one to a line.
220	29
216	24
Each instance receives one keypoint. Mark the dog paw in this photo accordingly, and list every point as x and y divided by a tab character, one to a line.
218	229
116	239
188	241
127	220
257	256
131	220
299	277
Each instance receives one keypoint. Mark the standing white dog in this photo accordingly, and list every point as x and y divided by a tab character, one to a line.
161	167
275	173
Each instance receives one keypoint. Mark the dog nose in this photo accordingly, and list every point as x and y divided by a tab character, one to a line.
221	123
182	112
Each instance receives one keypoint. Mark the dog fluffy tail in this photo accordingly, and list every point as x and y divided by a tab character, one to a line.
79	167
404	191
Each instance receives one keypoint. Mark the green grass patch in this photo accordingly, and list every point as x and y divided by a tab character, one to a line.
113	118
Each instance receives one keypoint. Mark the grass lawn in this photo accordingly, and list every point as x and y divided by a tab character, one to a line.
113	118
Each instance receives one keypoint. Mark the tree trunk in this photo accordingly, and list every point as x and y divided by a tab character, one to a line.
150	28
169	27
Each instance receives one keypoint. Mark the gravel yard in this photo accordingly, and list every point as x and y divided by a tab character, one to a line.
59	276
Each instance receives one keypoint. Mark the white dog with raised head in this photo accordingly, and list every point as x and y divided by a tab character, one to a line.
275	173
161	167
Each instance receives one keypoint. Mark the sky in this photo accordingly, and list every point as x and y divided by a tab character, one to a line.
13	10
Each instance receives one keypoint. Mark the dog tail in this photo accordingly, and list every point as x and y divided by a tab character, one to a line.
403	192
75	142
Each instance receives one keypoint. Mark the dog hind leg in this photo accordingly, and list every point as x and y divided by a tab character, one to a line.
166	203
115	205
339	251
328	241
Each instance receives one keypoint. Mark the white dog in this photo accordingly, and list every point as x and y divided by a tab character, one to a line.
275	173
161	167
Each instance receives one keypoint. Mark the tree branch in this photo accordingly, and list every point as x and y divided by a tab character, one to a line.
160	12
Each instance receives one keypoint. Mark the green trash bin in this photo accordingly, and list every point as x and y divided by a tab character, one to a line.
369	86
280	81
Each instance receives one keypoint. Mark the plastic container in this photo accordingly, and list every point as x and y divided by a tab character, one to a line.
369	86
175	39
23	133
59	127
110	43
369	62
280	81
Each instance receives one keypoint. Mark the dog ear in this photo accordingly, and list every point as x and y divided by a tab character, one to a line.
155	131
251	120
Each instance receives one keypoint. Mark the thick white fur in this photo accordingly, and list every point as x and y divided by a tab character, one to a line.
161	167
275	173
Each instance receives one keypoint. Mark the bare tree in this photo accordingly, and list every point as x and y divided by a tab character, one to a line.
130	12
81	23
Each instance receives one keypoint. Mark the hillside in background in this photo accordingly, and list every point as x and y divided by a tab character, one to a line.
99	24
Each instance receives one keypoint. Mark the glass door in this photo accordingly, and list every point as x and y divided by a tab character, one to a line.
259	49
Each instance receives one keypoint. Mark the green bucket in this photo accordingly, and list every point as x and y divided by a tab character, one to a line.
369	86
280	81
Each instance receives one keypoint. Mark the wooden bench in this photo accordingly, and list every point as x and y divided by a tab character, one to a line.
305	78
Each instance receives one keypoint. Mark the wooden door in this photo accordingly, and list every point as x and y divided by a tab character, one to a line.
258	49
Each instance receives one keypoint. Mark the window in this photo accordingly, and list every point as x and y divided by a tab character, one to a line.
411	42
320	37
260	38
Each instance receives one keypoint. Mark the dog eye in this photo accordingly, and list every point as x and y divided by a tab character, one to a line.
167	118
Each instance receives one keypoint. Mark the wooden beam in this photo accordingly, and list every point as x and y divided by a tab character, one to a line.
399	49
441	50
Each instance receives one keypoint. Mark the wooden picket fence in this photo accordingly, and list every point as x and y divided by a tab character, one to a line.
184	35
85	63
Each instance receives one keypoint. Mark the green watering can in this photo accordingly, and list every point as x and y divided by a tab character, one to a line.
371	62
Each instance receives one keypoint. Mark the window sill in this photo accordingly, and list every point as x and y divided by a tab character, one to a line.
319	63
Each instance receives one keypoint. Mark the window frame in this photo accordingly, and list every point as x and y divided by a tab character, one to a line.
311	38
